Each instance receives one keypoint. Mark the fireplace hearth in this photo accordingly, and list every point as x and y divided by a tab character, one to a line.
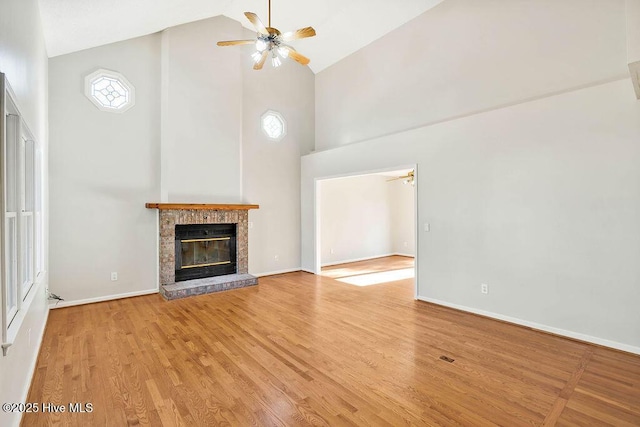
203	248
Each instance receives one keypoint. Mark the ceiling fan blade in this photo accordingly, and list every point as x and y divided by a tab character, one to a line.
298	34
235	42
258	65
409	175
298	57
256	22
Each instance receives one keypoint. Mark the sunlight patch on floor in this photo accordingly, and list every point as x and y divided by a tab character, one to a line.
336	273
378	278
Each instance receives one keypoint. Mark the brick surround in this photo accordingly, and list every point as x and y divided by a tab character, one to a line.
170	217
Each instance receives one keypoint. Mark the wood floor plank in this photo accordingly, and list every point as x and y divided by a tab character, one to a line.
307	350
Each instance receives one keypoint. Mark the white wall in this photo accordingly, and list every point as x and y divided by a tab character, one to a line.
271	170
633	30
403	218
201	113
23	59
365	216
538	198
633	42
464	57
541	201
103	168
355	218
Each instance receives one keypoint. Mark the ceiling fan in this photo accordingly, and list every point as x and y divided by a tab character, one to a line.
270	41
406	179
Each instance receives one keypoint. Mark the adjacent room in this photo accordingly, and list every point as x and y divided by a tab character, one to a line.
366	226
256	212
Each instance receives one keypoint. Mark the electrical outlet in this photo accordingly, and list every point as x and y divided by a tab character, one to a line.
277	257
405	244
331	251
427	227
114	276
484	288
250	224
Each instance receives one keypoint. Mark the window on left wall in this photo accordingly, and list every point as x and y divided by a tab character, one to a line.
21	229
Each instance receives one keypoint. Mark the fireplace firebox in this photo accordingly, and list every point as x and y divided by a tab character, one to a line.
204	250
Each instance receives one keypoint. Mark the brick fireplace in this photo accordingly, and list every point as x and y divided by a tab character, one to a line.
208	215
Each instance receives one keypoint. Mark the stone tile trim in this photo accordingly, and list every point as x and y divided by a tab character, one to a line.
168	221
207	285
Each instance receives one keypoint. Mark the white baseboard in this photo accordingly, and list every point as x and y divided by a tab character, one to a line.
347	261
62	304
307	270
538	326
273	273
34	363
405	255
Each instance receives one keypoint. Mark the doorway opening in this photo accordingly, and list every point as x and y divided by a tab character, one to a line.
366	227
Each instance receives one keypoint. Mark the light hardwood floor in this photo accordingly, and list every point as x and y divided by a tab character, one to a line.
300	349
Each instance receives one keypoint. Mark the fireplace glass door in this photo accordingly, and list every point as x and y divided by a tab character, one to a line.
205	252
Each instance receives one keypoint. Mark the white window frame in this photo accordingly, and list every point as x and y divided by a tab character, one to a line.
113	75
26	245
278	116
21	210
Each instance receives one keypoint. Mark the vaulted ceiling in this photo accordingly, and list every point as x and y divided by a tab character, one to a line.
342	26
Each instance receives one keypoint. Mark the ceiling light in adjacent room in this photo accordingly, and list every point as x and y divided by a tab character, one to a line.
409	178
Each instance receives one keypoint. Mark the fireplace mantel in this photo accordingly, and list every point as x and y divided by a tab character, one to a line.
200	206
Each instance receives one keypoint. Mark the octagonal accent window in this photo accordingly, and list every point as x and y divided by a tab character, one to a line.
273	125
109	91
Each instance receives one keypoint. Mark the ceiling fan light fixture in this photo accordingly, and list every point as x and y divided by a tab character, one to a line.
284	52
261	45
409	178
256	56
270	40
